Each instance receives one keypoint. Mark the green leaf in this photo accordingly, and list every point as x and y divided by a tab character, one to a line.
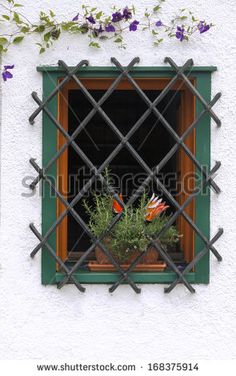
52	14
107	20
40	29
6	17
47	36
16	18
118	40
83	29
17	5
3	40
42	50
103	37
66	26
94	44
99	15
25	29
18	39
156	8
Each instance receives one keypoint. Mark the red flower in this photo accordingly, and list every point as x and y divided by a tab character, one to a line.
116	207
154	208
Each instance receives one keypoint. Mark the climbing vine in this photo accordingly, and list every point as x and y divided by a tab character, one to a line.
95	24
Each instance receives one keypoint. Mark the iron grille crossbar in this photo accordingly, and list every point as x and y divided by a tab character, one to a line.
193	90
97	173
196	259
57	90
57	258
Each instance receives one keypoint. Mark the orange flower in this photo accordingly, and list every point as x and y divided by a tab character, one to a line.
154	208
116	207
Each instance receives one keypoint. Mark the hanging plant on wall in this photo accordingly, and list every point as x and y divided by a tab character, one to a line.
94	24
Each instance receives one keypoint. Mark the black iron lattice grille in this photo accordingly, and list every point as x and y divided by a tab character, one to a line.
124	72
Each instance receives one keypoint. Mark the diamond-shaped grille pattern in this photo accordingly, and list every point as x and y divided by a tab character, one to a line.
152	174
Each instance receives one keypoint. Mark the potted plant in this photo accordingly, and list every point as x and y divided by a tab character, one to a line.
133	233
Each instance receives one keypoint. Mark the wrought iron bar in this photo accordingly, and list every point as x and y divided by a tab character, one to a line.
196	259
57	259
56	90
193	89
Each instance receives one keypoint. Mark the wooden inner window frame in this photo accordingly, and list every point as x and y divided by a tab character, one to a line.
185	166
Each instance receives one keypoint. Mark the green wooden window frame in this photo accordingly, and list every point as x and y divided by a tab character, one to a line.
51	76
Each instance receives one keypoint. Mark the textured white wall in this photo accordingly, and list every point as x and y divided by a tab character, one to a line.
42	322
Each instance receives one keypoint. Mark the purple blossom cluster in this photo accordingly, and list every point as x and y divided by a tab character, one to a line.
126	14
118	16
181	32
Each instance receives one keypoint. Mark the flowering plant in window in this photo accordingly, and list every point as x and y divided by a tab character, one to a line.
137	227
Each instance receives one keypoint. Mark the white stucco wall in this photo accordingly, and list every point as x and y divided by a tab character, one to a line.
40	322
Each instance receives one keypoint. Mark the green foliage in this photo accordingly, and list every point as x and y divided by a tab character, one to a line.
169	237
129	233
100	213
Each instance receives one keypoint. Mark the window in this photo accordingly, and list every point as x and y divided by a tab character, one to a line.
175	136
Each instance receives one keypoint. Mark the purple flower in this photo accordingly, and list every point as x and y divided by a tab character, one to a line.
110	28
75	18
91	19
98	31
127	14
8	67
133	26
116	17
203	27
180	33
6	74
159	23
